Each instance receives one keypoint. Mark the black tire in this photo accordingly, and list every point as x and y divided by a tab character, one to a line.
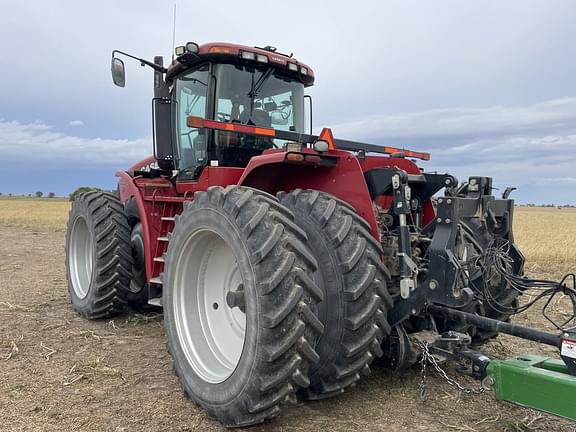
137	295
500	290
98	232
353	279
280	303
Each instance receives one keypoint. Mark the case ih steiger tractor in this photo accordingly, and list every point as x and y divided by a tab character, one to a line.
286	263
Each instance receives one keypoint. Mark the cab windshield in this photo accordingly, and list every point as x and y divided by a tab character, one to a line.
247	96
254	97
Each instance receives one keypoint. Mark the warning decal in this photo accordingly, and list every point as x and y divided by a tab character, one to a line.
568	348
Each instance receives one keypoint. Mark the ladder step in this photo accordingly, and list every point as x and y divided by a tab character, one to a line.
155	301
163	239
168	218
156	280
159	259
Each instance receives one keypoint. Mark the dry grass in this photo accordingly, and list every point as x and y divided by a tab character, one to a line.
60	372
546	236
44	214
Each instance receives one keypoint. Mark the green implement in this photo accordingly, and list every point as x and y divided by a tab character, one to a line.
537	382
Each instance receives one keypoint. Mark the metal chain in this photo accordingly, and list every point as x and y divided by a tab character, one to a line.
429	358
423	363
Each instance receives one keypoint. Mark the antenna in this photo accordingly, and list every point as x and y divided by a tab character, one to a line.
174	32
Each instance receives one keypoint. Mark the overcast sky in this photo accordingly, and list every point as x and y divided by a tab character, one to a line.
487	86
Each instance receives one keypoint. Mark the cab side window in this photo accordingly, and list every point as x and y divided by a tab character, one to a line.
191	92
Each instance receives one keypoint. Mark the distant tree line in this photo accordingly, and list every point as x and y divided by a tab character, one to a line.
548	205
71	197
84	189
36	194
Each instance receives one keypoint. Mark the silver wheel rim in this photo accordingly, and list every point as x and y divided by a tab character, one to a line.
210	332
81	257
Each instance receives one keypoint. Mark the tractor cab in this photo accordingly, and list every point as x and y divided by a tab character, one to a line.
235	85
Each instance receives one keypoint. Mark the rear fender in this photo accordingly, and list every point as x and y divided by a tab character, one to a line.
129	193
270	172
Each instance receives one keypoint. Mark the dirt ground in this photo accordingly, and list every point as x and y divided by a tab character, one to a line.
59	372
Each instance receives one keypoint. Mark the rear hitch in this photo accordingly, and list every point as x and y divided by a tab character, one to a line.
533	381
456	346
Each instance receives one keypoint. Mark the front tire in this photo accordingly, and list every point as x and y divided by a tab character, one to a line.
240	304
98	255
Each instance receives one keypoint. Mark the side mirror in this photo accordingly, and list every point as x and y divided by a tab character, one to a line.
118	72
162	111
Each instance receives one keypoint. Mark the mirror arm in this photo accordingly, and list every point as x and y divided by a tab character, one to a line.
143	62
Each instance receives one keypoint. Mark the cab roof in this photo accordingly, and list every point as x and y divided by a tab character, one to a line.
223	52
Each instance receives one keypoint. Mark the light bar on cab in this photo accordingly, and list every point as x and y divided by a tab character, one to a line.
293	67
248	55
219	50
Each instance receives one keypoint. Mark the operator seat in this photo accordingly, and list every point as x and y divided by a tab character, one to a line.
259	117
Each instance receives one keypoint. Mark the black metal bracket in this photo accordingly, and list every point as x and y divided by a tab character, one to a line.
423	186
445	270
456	346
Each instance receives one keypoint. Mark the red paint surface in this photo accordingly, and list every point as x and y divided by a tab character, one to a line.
269	172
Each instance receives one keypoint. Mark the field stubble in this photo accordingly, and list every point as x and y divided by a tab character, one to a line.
61	372
546	236
48	214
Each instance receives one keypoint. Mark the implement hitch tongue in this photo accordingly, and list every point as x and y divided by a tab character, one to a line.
538	382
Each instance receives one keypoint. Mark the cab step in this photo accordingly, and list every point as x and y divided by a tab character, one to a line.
155	301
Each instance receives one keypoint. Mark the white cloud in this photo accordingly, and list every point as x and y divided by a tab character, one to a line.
548	115
40	141
558	180
76	123
532	147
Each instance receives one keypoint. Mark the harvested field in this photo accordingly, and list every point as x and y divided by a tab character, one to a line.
547	239
49	214
59	372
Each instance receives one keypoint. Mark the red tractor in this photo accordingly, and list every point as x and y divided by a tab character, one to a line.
285	263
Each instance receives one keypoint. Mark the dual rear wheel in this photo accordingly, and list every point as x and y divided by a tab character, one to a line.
264	297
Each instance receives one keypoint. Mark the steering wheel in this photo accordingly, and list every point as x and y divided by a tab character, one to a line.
223	117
